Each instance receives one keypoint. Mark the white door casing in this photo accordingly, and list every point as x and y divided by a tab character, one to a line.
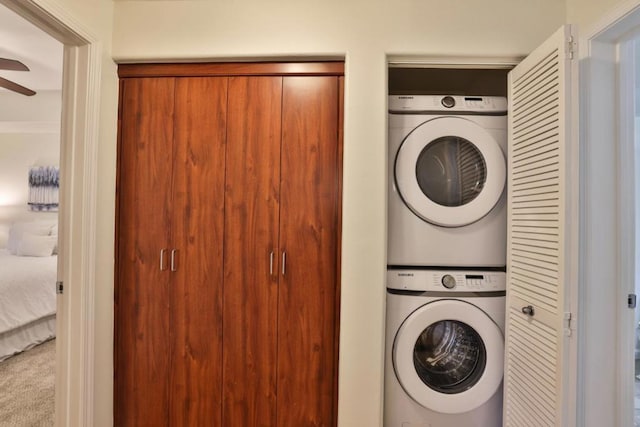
540	356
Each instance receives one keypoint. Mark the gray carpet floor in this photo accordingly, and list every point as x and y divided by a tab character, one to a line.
27	388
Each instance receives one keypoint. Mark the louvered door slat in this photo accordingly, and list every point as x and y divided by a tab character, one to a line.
535	142
535	243
536	156
536	250
540	67
536	128
542	281
525	384
537	232
549	106
541	386
524	267
533	117
535	149
549	190
538	179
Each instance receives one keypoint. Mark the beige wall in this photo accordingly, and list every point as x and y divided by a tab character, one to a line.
586	13
363	32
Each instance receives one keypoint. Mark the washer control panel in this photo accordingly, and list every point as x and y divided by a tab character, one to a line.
446	104
446	280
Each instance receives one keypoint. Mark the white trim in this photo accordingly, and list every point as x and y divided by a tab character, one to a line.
608	217
614	24
626	224
79	141
30	127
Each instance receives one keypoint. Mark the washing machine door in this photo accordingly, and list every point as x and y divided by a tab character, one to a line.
450	171
448	356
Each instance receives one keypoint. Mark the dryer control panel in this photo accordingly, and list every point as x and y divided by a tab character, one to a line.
447	280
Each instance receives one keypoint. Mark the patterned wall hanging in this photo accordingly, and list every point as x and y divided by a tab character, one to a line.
44	183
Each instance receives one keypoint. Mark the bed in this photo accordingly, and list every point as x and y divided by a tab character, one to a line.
27	290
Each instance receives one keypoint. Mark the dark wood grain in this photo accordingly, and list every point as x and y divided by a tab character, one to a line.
232	69
310	188
251	233
197	235
227	170
142	332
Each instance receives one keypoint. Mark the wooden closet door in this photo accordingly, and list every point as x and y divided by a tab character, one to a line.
309	237
142	295
251	242
198	227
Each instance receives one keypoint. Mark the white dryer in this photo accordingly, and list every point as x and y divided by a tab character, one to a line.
444	348
447	177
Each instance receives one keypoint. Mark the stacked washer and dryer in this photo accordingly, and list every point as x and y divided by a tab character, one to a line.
446	261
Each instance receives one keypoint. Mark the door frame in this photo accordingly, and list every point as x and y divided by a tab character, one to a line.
607	219
74	387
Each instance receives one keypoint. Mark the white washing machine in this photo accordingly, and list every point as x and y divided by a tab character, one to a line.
447	177
444	348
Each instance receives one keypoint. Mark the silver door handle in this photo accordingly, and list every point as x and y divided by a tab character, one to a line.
173	260
529	310
162	267
271	263
284	262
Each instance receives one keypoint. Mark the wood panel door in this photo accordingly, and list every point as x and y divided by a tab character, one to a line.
142	303
197	251
250	253
228	246
170	236
309	241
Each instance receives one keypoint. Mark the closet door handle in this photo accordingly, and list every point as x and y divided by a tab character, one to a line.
271	263
173	260
162	267
284	262
529	310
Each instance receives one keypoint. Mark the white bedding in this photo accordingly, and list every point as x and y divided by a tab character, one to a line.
27	290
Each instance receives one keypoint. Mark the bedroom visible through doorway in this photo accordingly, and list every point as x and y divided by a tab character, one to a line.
32	61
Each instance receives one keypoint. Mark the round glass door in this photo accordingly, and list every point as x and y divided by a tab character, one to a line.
450	171
448	356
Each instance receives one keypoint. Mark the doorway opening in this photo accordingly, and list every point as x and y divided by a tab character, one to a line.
74	386
30	111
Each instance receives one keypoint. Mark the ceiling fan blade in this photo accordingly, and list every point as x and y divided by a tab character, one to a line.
8	84
12	64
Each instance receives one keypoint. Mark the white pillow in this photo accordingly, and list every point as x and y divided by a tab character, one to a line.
4	236
19	228
36	245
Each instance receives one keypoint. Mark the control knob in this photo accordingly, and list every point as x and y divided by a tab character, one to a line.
448	102
448	281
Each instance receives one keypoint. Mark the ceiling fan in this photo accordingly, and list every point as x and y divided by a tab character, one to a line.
13	65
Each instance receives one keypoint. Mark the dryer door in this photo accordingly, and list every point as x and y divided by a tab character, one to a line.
450	171
448	356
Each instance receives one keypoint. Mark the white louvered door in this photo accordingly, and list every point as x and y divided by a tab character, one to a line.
542	223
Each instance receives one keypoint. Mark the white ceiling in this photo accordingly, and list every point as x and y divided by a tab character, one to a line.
21	40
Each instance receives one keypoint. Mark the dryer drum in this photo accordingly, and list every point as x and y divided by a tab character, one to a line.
449	356
451	171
